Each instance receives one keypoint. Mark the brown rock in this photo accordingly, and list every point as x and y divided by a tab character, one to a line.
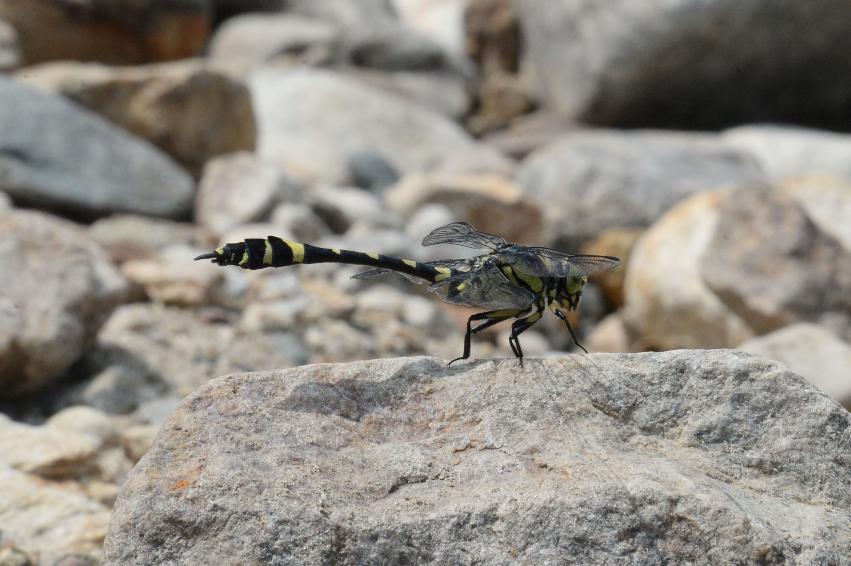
108	31
616	242
191	109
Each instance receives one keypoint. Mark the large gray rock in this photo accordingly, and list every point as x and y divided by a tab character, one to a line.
812	351
691	62
192	110
55	154
591	180
313	122
58	288
700	457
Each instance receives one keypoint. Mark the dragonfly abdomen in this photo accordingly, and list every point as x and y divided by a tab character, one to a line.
256	253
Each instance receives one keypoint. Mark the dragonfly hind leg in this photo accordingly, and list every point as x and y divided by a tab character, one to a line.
490	318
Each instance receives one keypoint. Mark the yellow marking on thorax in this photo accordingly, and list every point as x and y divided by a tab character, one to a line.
509	272
461	286
267	254
410	263
372	255
297	249
534	316
535	283
336	251
442	273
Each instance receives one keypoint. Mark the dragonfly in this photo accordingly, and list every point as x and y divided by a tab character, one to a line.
509	281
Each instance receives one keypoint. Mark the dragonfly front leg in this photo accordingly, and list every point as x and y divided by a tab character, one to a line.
562	316
490	318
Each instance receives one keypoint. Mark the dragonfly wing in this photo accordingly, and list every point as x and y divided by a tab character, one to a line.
546	262
454	264
463	234
486	288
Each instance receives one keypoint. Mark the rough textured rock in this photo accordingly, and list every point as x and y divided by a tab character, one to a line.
58	155
10	51
191	109
811	351
663	62
784	152
328	119
724	266
58	288
591	180
702	457
240	188
256	38
109	31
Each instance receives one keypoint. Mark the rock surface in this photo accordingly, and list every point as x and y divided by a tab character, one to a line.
813	352
328	119
54	154
58	288
663	62
701	457
591	180
191	109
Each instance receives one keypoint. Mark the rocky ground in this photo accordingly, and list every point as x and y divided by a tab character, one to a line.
136	136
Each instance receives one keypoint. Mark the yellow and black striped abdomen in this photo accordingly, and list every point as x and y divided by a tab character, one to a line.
255	253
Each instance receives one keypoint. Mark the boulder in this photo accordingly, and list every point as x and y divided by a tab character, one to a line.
772	265
119	32
240	188
691	456
312	123
724	266
811	351
785	151
58	288
190	109
666	63
56	155
591	180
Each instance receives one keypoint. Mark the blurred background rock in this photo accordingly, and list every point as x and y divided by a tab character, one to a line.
705	143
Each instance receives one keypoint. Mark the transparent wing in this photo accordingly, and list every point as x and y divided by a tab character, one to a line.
455	264
546	262
463	234
486	287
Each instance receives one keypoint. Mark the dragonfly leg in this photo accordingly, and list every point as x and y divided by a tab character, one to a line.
519	327
490	318
562	316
